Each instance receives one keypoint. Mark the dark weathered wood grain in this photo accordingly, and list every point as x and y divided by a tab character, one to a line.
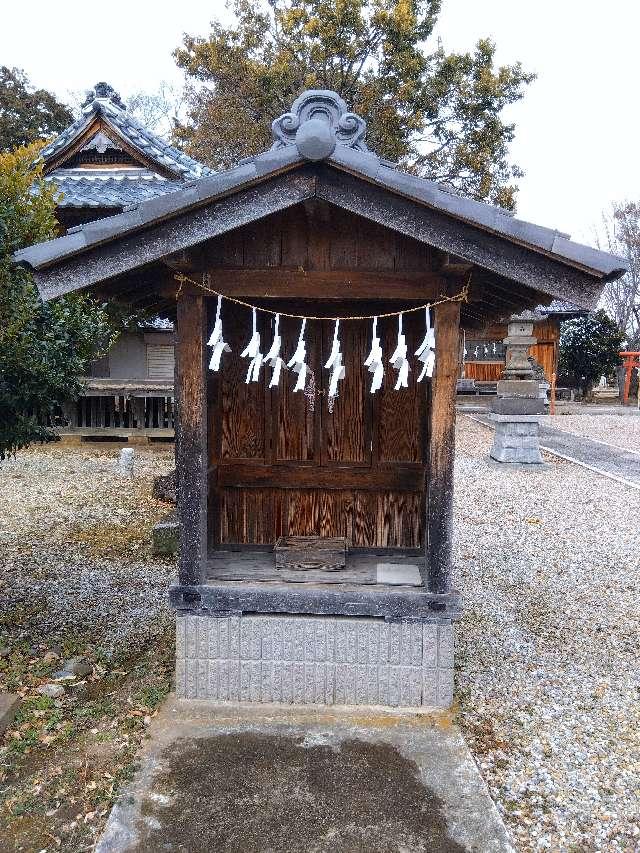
346	431
242	406
191	434
294	420
284	464
274	283
441	448
256	475
310	553
401	414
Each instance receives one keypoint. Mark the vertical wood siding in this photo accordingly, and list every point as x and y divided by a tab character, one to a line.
275	434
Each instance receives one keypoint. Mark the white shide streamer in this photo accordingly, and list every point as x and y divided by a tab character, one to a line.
334	363
299	359
252	351
399	359
217	341
273	358
374	361
426	352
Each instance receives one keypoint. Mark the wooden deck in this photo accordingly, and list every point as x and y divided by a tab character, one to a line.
383	571
386	585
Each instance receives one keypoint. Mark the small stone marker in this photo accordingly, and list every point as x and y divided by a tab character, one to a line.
125	462
53	691
78	666
8	707
166	535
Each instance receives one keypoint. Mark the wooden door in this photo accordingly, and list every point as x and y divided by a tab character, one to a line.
286	463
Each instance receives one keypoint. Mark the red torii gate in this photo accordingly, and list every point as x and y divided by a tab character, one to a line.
629	361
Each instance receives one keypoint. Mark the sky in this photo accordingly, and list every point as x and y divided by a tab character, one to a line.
577	127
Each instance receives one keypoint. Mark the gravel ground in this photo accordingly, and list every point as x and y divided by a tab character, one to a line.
74	539
547	661
618	430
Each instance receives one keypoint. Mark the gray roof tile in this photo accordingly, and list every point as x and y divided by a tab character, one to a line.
105	102
108	188
561	309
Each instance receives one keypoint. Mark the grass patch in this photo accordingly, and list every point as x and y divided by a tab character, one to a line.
107	539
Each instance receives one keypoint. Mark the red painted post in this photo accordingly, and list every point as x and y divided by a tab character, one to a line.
631	360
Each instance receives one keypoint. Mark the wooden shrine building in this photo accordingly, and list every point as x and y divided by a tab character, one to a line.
102	163
484	349
318	227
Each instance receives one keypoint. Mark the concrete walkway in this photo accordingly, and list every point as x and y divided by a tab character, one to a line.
303	780
604	459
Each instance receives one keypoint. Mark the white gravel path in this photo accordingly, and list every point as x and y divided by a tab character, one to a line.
617	430
547	663
548	562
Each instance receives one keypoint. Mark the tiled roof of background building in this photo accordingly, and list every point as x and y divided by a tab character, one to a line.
117	187
109	188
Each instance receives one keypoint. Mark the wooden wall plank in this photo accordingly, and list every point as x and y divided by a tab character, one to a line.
441	448
294	239
365	519
262	243
242	406
400	419
347	429
401	478
343	253
294	423
376	246
191	437
278	283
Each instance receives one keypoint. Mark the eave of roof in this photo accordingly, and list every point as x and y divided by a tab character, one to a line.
561	310
197	193
192	194
348	155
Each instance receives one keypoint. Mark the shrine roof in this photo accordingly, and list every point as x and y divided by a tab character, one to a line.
320	131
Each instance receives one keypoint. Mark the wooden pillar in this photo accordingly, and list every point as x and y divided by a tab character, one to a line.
191	435
439	527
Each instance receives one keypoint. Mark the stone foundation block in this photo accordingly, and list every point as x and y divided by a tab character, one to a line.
165	536
517	440
315	660
518	406
521	388
9	705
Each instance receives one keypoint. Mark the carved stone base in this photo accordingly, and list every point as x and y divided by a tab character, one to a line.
315	660
516	439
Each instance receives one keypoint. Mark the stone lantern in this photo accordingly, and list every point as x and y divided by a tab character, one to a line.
516	409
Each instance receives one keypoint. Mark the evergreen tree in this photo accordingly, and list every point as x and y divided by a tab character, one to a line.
27	115
44	348
438	113
589	348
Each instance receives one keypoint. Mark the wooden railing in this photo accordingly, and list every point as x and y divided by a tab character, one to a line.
120	412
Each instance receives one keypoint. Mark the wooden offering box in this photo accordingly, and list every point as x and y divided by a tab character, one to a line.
311	552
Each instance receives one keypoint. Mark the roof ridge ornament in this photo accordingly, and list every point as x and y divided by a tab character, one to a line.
102	91
319	120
